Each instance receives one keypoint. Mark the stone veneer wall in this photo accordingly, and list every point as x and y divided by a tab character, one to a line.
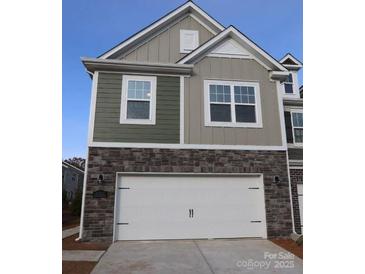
99	212
296	177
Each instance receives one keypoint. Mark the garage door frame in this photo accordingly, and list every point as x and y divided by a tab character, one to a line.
179	174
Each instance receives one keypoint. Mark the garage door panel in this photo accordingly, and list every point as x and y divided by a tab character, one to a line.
152	215
157	207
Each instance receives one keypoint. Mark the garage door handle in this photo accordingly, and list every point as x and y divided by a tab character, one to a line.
191	213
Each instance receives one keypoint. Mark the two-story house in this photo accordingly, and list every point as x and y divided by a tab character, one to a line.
187	135
72	179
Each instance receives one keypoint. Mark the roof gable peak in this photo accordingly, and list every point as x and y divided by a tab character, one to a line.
290	62
231	32
184	9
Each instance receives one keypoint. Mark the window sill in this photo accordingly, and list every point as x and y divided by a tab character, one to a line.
137	122
233	125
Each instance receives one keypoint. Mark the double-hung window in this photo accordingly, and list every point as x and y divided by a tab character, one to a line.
232	104
297	124
288	85
138	104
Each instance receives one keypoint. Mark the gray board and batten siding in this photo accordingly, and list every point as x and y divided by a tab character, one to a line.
107	127
231	69
165	47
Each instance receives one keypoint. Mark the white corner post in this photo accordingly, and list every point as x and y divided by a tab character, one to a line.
182	121
89	141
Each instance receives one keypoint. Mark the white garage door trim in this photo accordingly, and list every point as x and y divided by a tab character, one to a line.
159	174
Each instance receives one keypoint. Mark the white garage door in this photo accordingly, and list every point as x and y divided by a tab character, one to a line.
173	207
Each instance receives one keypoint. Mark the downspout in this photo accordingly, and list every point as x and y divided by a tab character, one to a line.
85	177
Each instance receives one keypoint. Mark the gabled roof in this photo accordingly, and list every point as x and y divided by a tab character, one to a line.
68	165
290	62
188	7
231	32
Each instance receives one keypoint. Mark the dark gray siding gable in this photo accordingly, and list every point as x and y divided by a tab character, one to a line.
288	127
295	153
107	127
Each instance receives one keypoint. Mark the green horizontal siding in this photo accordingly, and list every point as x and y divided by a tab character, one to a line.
107	114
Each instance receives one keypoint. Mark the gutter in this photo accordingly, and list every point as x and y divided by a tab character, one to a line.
279	75
95	64
83	198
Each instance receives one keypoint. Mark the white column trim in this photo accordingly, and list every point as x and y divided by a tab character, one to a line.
93	107
281	114
182	112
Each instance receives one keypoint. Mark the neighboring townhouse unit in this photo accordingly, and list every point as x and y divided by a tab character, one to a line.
293	111
72	179
187	135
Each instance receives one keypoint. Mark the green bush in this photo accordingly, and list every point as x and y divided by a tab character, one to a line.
64	199
76	204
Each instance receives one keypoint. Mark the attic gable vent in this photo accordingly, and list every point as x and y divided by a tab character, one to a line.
189	40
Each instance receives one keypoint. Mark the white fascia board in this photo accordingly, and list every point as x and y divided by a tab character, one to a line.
124	62
234	34
206	16
292	67
159	23
68	165
186	146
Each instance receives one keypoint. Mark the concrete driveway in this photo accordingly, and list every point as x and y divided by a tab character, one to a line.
198	257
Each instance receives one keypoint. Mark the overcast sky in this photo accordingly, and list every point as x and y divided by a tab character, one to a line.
91	27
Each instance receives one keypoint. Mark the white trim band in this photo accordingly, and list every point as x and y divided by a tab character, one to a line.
185	146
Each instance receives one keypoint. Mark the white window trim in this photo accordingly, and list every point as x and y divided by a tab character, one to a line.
292	126
123	106
207	120
182	33
291	83
296	93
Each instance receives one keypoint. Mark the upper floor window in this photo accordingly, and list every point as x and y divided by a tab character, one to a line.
138	104
288	85
297	122
232	104
189	40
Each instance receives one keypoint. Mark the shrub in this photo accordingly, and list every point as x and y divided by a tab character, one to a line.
64	199
76	204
